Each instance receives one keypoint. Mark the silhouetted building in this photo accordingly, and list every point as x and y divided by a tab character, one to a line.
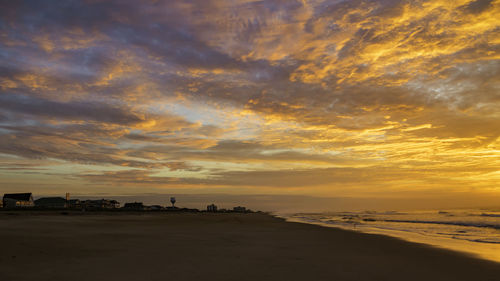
51	202
74	204
212	208
134	206
100	204
239	209
17	200
114	204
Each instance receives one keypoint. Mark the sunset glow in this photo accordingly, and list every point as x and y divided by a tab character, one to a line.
323	98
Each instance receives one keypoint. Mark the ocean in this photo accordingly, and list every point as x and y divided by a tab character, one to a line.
475	231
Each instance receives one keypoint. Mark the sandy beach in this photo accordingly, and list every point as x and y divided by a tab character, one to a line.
204	246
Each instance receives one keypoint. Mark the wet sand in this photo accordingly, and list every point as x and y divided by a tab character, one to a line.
190	246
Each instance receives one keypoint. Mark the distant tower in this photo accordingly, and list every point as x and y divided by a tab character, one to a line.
172	200
67	196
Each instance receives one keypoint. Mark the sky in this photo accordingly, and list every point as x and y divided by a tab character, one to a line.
361	99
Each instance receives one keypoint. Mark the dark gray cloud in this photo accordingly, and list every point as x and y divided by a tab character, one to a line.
85	144
478	6
76	110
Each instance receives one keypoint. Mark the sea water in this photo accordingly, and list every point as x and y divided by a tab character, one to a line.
475	232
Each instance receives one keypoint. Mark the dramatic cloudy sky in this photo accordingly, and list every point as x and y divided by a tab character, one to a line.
325	98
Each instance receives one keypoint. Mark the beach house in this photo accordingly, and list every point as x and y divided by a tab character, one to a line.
212	208
74	204
239	209
100	204
134	206
51	203
18	200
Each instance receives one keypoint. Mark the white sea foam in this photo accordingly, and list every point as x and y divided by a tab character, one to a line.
472	231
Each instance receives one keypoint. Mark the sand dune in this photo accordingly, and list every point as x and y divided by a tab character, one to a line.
166	246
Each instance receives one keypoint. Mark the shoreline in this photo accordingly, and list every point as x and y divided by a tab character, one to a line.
223	246
487	251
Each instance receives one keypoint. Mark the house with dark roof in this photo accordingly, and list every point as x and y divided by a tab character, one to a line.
134	206
74	204
240	209
156	208
212	208
114	204
51	203
18	200
100	204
